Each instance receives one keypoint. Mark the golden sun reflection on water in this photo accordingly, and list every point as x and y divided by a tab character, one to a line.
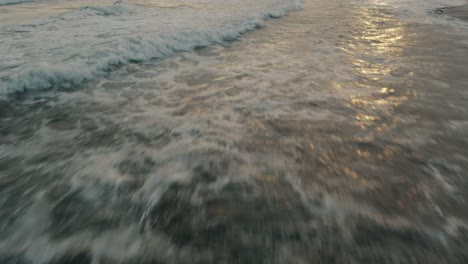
375	33
378	39
374	42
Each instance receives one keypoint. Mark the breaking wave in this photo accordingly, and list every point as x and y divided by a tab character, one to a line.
13	2
39	74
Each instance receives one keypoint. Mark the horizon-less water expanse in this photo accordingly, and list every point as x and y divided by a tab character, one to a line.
233	131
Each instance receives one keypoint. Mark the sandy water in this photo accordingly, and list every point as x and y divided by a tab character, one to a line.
336	134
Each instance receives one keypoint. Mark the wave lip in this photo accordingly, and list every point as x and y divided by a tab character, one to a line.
129	49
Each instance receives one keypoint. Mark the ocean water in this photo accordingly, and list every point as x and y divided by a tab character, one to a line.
233	131
83	44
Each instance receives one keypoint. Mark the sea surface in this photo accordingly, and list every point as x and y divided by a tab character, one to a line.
233	131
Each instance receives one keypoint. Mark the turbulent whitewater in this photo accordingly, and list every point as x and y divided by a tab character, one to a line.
86	43
172	132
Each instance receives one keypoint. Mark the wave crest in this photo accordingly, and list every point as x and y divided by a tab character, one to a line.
13	2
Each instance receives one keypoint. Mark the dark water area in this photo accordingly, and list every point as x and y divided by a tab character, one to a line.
460	12
336	134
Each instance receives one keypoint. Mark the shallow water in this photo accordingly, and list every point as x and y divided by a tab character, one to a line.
336	134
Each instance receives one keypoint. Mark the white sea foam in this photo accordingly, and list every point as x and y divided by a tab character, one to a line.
158	183
85	44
